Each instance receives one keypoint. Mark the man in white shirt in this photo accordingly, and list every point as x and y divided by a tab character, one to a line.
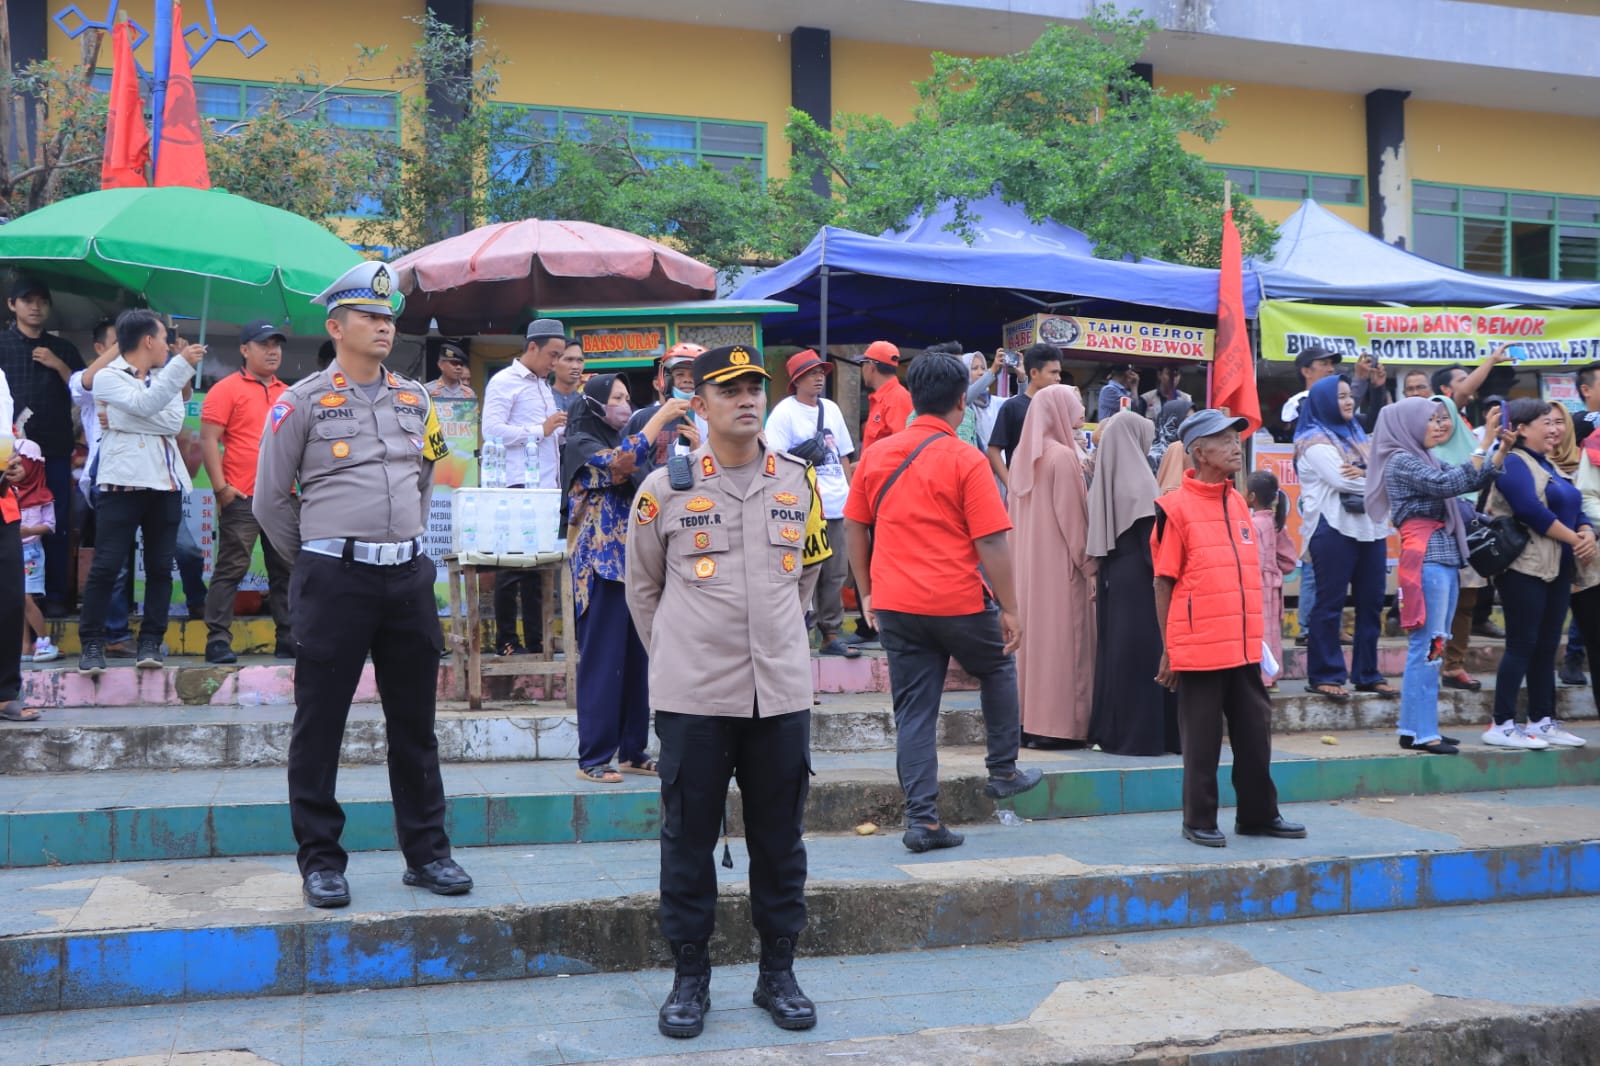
792	423
520	411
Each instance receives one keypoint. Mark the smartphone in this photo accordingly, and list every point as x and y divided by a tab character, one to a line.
1009	359
1517	353
1505	415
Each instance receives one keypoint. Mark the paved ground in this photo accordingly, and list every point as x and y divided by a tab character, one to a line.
1043	1001
263	889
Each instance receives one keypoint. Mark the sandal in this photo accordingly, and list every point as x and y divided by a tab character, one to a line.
1332	692
14	711
1380	688
600	775
839	647
648	767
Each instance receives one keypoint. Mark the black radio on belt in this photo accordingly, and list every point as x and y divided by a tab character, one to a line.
680	475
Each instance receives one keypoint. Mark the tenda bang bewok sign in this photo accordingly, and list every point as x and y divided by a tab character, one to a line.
1430	334
1111	339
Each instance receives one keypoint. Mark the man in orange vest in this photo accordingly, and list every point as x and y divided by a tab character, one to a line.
1208	603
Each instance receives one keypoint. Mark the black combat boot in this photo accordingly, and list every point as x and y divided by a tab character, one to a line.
776	989
684	1013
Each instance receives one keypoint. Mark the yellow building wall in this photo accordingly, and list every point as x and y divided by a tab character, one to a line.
299	35
560	59
1461	145
878	79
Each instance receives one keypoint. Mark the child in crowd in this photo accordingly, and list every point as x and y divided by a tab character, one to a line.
38	518
1269	509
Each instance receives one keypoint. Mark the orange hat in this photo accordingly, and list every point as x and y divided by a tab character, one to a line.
802	363
681	354
884	353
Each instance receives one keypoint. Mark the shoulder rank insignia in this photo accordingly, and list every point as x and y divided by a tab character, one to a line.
772	465
332	399
699	503
394	382
788	499
280	410
340	381
647	509
707	466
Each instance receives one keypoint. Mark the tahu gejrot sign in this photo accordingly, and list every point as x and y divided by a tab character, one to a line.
1110	337
1429	334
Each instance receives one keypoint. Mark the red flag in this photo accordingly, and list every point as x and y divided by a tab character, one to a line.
127	141
181	159
1233	372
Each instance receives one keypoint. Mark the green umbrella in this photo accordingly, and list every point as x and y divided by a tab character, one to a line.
198	253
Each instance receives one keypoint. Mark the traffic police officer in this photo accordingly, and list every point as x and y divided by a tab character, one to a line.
722	556
361	443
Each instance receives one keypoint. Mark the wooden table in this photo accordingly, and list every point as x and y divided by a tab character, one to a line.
466	640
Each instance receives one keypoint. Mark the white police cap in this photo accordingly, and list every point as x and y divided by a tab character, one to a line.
368	287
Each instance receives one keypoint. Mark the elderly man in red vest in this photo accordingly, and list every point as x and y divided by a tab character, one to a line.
1208	602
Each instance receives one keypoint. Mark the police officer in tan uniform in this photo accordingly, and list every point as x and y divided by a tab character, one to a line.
361	443
721	563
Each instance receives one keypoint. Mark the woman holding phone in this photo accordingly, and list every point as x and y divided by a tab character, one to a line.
1535	592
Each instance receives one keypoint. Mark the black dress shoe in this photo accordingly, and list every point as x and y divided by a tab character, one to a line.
284	650
1206	838
920	838
683	1015
326	888
442	877
220	653
1275	828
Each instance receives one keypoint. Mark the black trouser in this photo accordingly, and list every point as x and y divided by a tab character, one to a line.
510	588
237	532
118	516
11	593
1586	616
1536	613
1207	698
341	611
771	759
59	477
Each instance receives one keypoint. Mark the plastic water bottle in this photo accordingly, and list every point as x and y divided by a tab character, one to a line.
528	522
466	520
502	527
483	539
530	465
547	520
498	463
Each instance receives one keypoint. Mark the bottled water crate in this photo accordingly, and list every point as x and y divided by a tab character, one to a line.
506	526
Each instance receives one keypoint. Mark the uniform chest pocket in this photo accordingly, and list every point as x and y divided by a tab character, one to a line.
703	555
336	429
785	555
412	424
335	438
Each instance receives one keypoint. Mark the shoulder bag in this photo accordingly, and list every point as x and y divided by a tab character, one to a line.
813	451
1494	543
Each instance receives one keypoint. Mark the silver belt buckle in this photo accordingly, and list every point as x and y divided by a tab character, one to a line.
389	554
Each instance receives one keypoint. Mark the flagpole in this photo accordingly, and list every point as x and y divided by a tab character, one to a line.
161	70
1227	205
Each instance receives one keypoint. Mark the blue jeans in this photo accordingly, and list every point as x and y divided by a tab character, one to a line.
1308	595
1419	693
1343	562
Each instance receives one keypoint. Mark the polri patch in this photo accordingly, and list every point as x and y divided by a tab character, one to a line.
698	504
279	412
646	509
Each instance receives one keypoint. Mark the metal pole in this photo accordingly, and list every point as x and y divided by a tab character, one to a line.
160	70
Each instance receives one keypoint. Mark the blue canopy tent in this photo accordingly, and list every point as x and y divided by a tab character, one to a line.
1321	257
926	284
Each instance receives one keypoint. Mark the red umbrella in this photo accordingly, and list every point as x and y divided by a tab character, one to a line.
494	278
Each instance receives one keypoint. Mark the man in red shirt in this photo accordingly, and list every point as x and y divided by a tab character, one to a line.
1208	604
889	405
232	420
923	515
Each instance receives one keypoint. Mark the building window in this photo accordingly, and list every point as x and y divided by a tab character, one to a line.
1263	183
1507	231
725	146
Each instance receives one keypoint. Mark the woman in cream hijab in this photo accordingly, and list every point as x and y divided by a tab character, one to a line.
1132	715
1050	513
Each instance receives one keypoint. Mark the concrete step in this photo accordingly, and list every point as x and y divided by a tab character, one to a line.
69	819
124	934
1483	657
1397	989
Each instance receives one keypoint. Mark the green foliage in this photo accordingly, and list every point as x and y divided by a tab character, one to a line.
1065	129
69	118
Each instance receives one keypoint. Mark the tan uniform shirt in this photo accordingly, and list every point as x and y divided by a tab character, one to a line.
364	467
718	583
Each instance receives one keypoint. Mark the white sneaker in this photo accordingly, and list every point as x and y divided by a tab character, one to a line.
44	651
1549	730
1510	735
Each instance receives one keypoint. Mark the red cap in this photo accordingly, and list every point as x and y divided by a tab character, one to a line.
802	363
883	352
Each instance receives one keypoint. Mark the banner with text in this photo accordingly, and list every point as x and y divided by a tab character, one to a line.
1109	338
1429	334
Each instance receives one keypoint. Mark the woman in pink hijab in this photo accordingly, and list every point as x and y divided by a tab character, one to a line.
1050	511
